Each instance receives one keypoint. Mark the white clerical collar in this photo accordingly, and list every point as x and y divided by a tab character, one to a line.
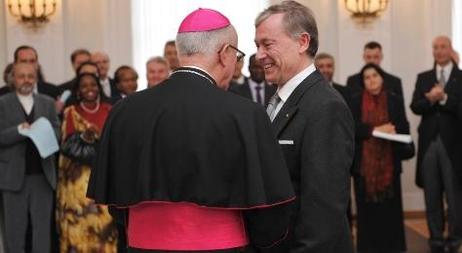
27	101
286	90
198	68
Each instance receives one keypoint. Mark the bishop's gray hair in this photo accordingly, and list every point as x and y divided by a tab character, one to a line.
207	43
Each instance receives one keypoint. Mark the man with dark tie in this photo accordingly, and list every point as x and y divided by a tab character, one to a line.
256	89
437	98
101	59
373	54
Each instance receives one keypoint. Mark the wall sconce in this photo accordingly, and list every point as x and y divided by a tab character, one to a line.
32	12
365	10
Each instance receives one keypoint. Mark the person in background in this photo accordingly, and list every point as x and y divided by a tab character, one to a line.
28	54
157	70
7	79
78	57
126	80
103	62
256	89
377	165
171	55
372	53
27	181
437	95
238	77
84	226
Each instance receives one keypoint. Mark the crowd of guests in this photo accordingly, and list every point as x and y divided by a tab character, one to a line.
41	206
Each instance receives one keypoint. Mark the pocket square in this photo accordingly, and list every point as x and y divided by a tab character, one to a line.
286	142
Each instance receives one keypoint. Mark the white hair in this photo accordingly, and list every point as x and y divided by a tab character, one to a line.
210	42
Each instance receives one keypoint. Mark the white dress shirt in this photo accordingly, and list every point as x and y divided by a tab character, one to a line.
286	90
447	73
106	85
27	102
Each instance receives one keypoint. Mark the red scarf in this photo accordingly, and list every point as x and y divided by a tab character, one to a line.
377	161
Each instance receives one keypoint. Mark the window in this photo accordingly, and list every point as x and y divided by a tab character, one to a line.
457	27
155	22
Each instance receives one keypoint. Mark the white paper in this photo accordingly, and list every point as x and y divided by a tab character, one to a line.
43	136
404	138
64	96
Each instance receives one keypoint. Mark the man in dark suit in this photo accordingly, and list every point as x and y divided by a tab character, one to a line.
27	54
326	65
437	97
101	59
78	57
27	180
314	126
256	89
238	77
373	54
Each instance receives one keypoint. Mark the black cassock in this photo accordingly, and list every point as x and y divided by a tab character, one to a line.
188	141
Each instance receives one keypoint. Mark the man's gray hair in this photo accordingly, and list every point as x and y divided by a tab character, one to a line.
297	19
158	59
206	43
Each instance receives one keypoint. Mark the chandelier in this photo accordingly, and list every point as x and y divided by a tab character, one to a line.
365	10
32	12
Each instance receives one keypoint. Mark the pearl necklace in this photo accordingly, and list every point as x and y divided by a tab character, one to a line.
86	109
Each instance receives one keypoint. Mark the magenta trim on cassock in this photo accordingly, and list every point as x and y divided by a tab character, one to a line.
184	226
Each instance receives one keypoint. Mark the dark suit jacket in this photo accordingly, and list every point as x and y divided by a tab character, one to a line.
12	144
438	119
4	90
234	83
48	89
344	91
397	116
390	82
244	90
321	126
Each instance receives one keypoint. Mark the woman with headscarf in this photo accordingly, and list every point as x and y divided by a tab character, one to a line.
377	165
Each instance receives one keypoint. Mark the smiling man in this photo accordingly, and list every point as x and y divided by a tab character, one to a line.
314	127
27	180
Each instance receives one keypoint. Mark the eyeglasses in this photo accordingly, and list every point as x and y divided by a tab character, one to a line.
239	54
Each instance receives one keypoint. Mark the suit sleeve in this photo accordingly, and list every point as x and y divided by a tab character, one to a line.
420	104
326	156
405	151
9	135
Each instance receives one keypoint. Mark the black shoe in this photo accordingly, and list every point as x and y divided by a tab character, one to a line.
437	249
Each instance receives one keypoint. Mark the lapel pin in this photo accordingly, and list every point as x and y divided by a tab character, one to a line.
287	115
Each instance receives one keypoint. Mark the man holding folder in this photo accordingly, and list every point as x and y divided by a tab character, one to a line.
27	179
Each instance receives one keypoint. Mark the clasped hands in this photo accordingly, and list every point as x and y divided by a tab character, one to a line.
436	94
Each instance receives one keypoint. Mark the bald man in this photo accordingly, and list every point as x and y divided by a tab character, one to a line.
101	59
437	98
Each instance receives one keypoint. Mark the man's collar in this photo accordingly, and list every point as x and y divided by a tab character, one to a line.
286	90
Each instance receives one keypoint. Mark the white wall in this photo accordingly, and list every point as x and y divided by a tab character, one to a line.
91	24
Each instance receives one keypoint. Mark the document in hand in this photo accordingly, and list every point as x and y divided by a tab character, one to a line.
404	138
43	136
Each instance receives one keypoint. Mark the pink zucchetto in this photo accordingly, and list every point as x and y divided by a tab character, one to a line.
203	20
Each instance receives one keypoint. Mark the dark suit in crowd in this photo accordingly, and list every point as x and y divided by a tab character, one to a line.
438	159
27	181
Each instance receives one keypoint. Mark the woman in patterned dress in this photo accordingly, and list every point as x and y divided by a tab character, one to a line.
83	225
